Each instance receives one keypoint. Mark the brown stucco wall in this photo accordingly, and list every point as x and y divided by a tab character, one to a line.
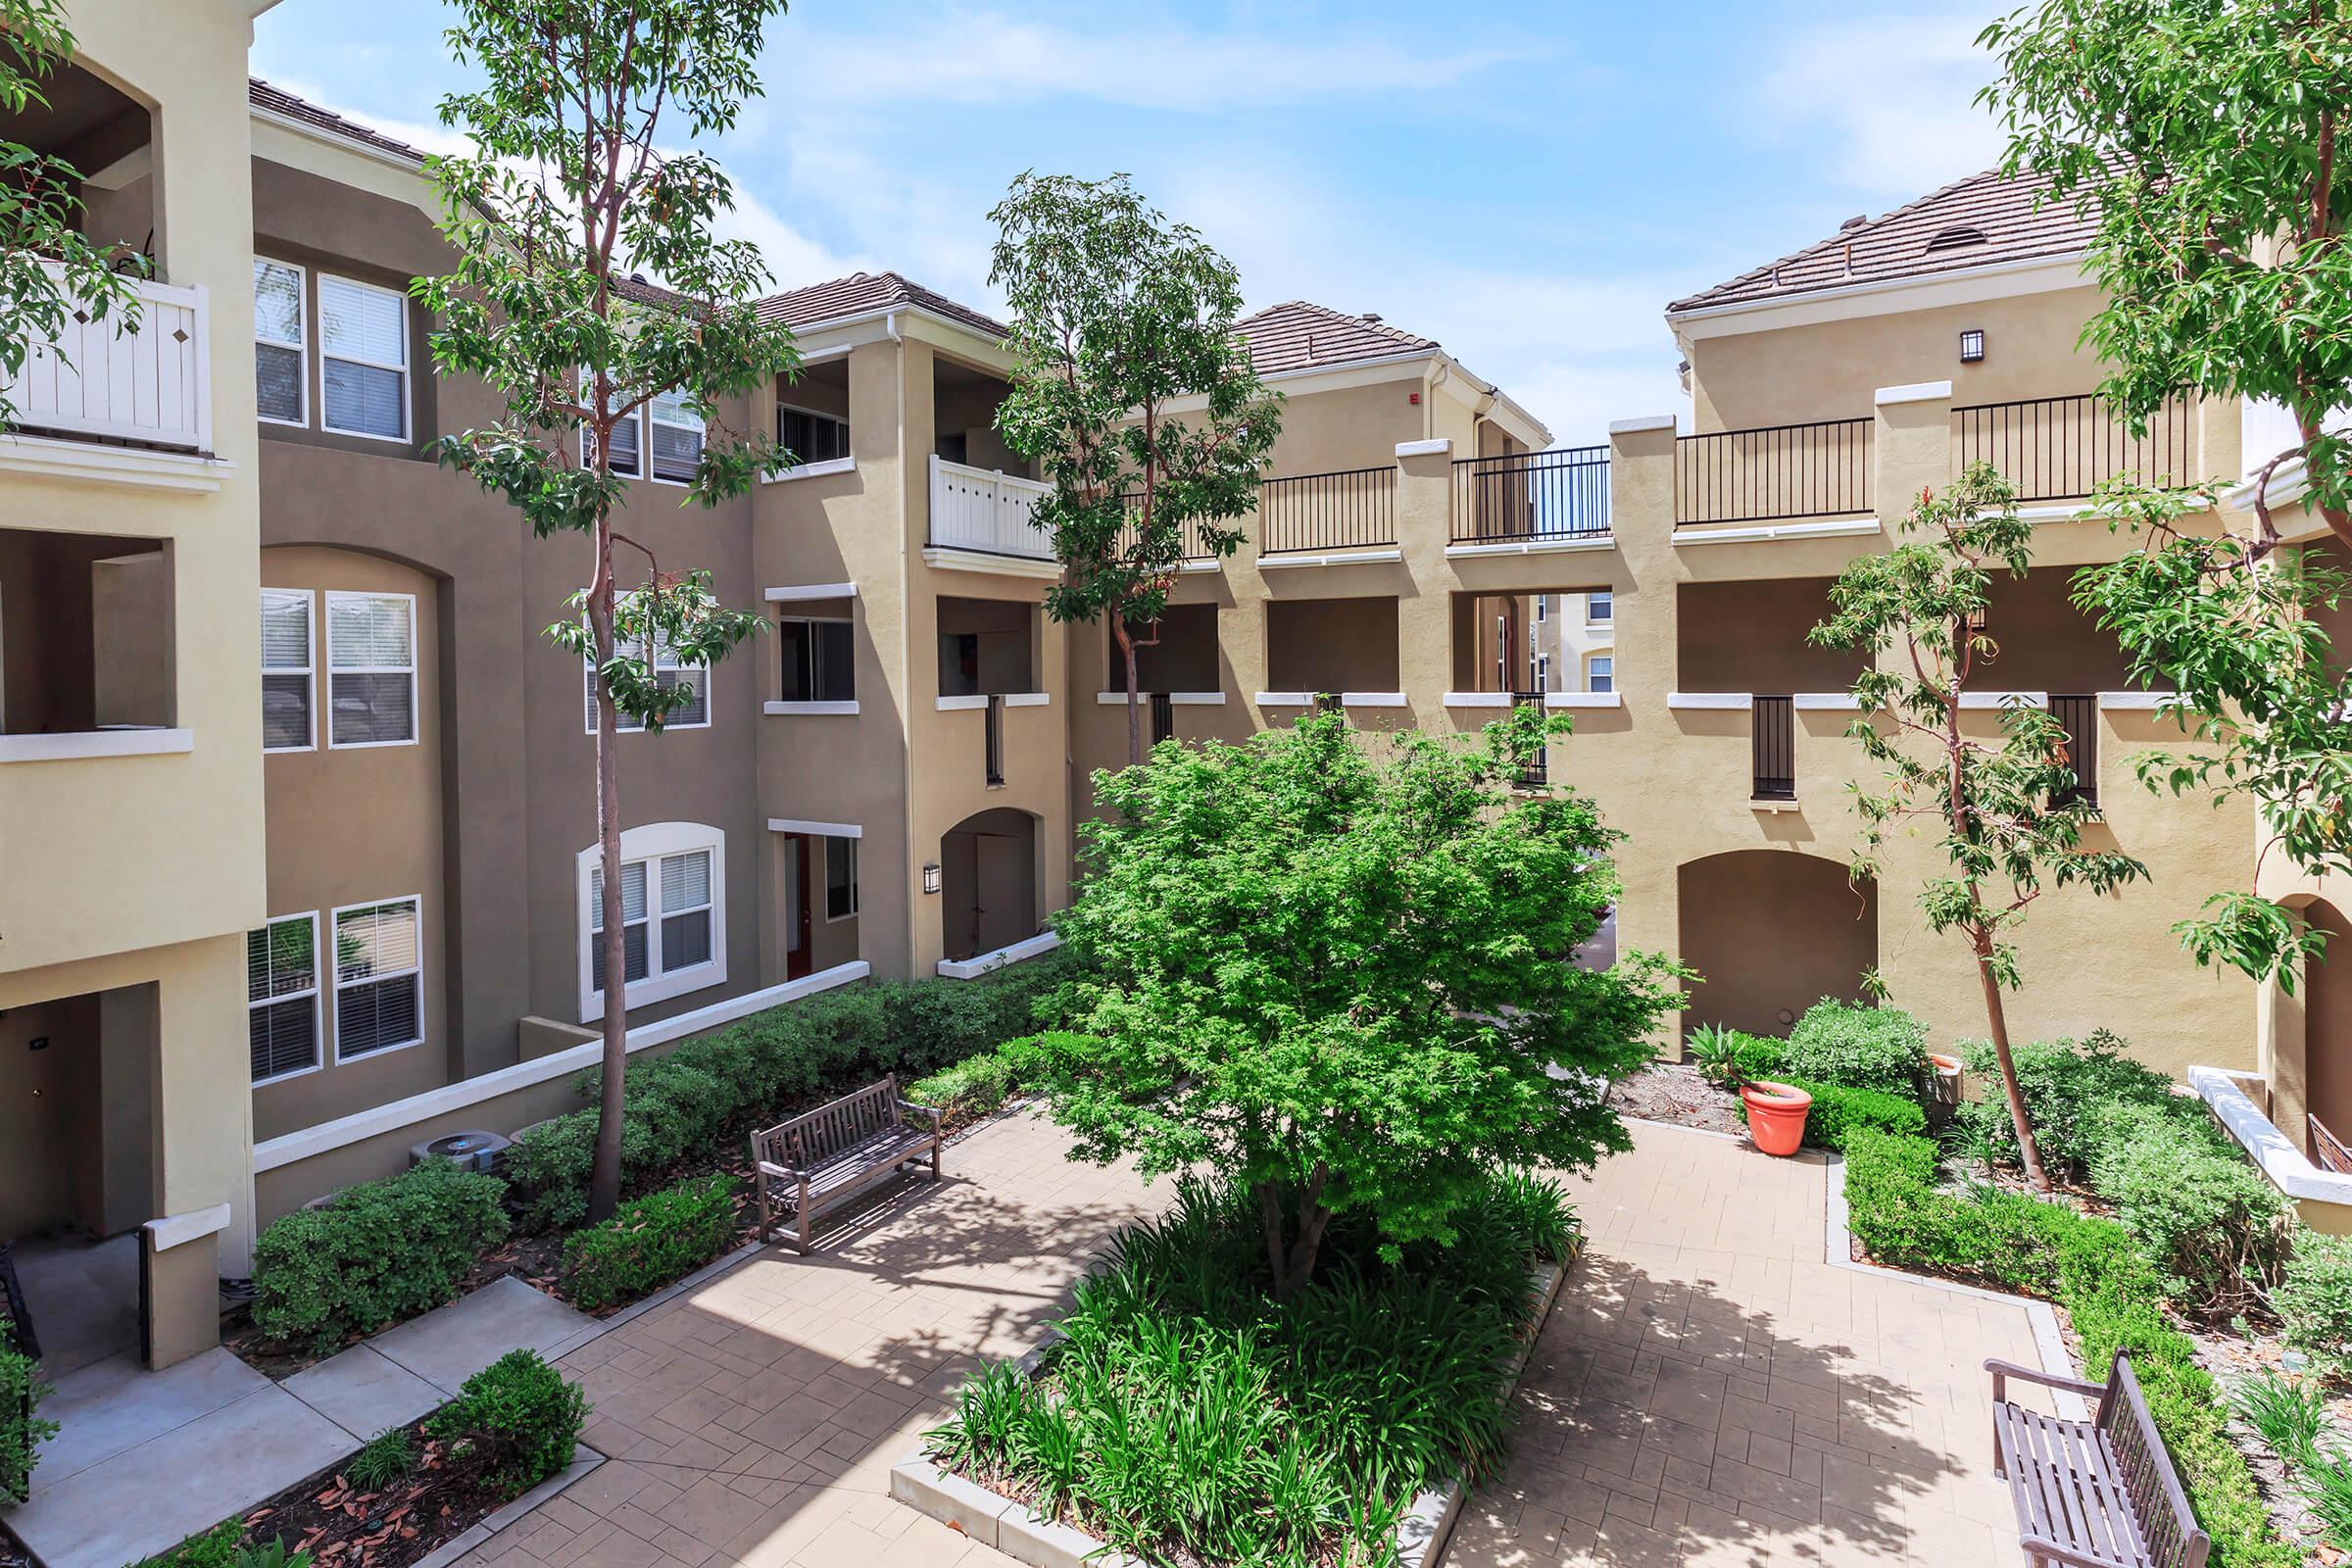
1332	644
1750	637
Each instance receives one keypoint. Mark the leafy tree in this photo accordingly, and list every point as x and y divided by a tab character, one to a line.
1117	316
48	267
1340	979
2201	138
2009	811
567	185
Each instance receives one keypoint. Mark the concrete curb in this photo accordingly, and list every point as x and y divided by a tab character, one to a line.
1014	1529
584	1459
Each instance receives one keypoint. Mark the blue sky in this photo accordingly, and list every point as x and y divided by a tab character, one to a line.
1528	183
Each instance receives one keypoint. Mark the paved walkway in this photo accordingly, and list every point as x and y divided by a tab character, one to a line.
1707	1391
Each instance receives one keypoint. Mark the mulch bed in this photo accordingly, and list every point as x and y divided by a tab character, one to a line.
343	1527
1672	1092
12	1554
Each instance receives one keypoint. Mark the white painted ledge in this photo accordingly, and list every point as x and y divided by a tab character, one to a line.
1286	698
88	462
177	1230
1533	547
82	744
950	704
1478	698
1028	699
975	967
1715	702
1584	699
398	1114
2134	702
1915	392
948	558
1641	422
2281	1160
1856	527
812	470
812	590
1372	698
1998	700
820	830
774	708
1180	699
1438	448
1332	557
1826	702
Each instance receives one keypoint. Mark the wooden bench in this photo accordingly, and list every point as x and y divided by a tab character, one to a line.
2096	1493
837	1148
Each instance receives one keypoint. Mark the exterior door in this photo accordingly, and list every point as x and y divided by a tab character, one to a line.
800	956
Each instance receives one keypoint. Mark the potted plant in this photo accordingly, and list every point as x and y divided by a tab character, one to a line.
1776	1115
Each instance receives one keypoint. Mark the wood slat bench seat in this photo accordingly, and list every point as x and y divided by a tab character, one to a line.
2096	1493
837	1148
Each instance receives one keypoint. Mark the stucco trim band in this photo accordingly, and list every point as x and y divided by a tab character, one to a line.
2282	1161
1641	422
1439	447
944	558
2134	702
77	745
1915	392
774	709
1372	698
311	1142
1834	529
817	830
1012	953
1028	699
811	470
1971	700
812	590
1180	699
1478	698
1286	698
1337	557
955	704
177	1230
1826	702
1584	700
1533	547
1722	701
45	459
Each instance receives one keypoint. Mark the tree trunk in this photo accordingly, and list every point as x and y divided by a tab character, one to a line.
1996	1022
1135	718
1293	1266
603	1182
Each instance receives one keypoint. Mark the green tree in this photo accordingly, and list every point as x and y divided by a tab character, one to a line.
1343	980
2010	812
2201	138
1118	316
48	267
568	184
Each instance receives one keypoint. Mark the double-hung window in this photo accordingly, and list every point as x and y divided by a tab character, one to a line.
1600	673
380	978
818	660
288	672
671	929
841	878
669	673
281	375
281	996
364	351
1600	608
370	669
677	437
813	438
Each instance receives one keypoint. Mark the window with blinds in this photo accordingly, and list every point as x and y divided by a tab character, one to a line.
669	673
364	348
1600	673
678	936
380	978
371	669
813	438
281	996
282	379
677	437
287	671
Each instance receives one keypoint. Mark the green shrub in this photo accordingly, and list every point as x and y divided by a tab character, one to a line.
520	1415
653	1240
376	1253
2290	1415
973	1086
1728	1059
2210	1222
22	1430
382	1459
2112	1295
1838	1113
217	1548
2068	1085
2314	1299
1857	1048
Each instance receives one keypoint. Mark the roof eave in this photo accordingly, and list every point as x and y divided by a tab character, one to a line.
1677	315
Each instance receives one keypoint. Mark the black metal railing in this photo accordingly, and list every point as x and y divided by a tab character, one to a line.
1773	752
2078	716
2059	449
1534	773
1193	544
995	739
1354	508
1763	476
1163	718
1562	494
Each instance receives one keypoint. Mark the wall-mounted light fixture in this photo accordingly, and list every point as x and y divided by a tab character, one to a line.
931	876
1972	345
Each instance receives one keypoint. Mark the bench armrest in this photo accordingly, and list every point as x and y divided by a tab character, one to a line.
932	1111
2040	1549
2002	1370
787	1172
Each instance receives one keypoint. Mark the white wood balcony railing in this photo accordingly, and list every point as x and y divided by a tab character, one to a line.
151	384
978	510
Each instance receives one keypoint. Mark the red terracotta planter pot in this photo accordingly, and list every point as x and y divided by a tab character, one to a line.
1776	1116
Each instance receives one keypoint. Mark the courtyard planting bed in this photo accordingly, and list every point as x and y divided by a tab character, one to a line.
1180	1414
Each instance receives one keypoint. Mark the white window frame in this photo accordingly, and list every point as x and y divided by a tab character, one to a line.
1606	594
847	704
622	722
645	452
319	1045
310	672
644	441
826	887
333	927
807	461
1541	614
301	348
415	712
1609	674
408	381
651	843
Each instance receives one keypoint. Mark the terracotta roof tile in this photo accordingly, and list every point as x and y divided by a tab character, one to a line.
278	101
1983	221
861	294
1296	336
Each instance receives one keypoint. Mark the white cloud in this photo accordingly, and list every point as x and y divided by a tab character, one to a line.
1893	94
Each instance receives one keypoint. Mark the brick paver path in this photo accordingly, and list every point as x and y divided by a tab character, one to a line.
1707	1391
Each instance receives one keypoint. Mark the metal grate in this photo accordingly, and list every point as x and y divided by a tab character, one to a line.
1535	772
1163	718
1784	470
995	740
1773	748
1562	494
2079	715
1354	508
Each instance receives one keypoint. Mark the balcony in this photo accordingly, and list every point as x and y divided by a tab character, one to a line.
1531	500
148	385
985	514
2062	449
1774	474
1329	519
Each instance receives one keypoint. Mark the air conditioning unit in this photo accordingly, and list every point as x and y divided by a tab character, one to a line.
475	1150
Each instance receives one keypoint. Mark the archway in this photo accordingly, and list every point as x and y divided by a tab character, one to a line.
1772	932
988	882
2328	1027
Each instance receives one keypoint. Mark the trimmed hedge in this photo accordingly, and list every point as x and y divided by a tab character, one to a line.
973	1086
2111	1293
1857	1048
2068	1086
22	1430
377	1253
651	1240
679	1105
520	1415
1838	1112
